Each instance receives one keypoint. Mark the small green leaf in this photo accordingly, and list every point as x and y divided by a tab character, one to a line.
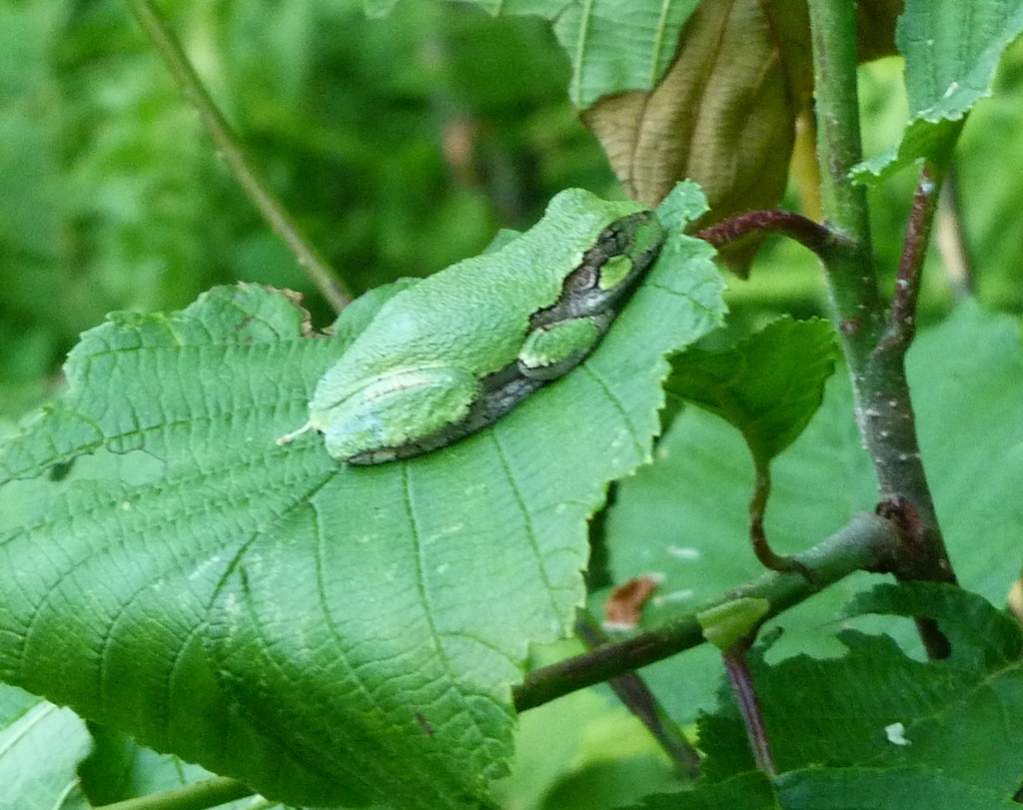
41	746
725	624
768	386
324	633
952	50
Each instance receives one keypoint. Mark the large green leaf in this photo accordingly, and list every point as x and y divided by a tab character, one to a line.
689	508
836	789
952	48
613	46
878	707
328	634
41	746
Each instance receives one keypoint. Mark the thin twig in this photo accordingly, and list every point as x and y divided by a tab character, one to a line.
867	542
741	681
806	232
197	796
634	693
228	146
758	535
902	322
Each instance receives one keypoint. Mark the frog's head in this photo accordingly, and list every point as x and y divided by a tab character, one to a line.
625	249
622	252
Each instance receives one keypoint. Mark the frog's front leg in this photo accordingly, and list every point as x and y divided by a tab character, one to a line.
400	414
553	350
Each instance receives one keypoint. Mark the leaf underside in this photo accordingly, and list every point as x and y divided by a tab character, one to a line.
41	746
724	113
952	49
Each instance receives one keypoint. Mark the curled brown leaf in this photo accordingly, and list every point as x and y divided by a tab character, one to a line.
725	113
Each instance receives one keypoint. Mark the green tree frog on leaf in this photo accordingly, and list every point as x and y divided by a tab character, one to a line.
449	354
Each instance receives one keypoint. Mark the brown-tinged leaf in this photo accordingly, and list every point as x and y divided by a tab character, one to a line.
724	114
624	607
1016	599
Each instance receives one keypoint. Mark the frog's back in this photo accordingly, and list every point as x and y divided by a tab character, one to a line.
475	314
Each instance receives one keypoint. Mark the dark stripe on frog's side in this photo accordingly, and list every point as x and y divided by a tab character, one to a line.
504	393
581	293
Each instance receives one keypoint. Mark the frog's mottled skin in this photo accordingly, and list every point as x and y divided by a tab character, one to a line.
450	354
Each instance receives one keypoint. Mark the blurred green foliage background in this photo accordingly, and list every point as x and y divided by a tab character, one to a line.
400	145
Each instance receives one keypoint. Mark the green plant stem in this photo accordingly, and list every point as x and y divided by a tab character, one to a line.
853	284
198	796
875	346
867	542
228	146
634	693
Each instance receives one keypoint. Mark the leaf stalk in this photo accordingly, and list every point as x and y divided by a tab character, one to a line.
743	689
812	235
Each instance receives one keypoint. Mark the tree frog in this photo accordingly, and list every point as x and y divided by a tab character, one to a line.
449	354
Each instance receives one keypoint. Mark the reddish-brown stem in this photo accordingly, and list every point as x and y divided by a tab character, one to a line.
741	681
808	233
902	323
